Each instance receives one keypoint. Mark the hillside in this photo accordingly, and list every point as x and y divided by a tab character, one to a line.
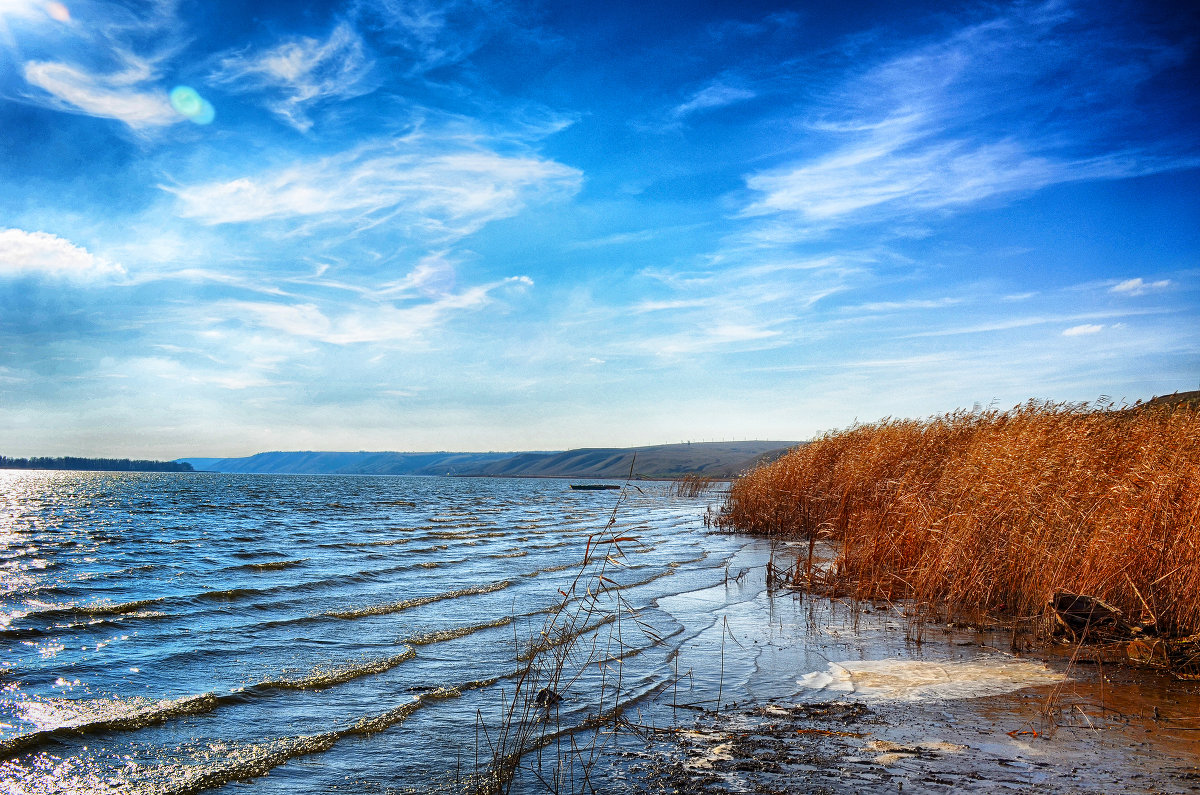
709	459
1190	399
360	463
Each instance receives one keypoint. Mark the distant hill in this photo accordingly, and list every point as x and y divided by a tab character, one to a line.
360	463
709	459
1190	399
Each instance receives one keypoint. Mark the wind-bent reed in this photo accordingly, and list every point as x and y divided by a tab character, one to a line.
554	669
691	486
997	510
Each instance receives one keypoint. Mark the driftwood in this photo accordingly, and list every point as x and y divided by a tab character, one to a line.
1179	656
1084	617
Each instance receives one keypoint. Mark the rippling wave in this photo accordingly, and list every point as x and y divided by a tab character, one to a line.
160	643
83	717
329	677
419	601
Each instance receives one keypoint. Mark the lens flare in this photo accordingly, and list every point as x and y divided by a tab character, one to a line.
188	103
58	12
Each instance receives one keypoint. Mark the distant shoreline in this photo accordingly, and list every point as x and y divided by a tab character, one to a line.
716	460
81	464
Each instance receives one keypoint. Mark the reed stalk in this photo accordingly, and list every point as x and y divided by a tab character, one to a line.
591	629
692	486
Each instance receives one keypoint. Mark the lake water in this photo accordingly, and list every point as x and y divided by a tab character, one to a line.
175	632
181	633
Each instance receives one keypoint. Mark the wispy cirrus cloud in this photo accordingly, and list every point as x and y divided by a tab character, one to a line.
44	254
966	118
106	61
301	72
735	307
673	305
434	275
910	304
1008	324
1139	286
713	337
881	174
434	33
130	95
428	185
714	95
379	323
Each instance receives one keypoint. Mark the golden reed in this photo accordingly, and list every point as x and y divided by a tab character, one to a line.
995	511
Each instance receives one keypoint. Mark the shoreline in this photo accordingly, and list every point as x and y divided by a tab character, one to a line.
954	711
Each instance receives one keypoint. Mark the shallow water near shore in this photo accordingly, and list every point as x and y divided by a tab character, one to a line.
184	633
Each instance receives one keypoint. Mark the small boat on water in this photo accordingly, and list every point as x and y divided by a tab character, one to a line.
593	486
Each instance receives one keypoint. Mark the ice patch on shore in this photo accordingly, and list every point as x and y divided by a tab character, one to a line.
889	753
916	680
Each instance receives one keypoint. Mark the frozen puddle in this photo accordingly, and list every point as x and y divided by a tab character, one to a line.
913	680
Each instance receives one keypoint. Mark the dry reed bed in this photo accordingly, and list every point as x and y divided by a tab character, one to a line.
996	511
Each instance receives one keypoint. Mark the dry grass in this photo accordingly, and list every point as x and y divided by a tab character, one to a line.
995	511
692	486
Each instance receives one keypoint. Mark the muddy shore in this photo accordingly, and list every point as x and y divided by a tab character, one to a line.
828	697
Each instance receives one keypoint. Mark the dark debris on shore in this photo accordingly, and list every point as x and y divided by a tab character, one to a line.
838	747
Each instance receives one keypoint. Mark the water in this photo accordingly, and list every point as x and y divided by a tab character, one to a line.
175	632
172	633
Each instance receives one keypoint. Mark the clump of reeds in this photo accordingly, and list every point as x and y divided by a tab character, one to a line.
996	511
691	486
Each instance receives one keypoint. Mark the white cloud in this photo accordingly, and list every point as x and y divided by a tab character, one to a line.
372	323
674	305
434	32
617	239
302	72
904	306
106	60
419	184
27	9
153	373
716	337
42	253
1083	329
943	126
1138	286
434	275
886	174
715	95
125	96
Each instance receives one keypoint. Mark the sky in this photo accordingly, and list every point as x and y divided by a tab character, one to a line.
231	227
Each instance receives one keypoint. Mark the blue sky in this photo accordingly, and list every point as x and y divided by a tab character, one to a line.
488	225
